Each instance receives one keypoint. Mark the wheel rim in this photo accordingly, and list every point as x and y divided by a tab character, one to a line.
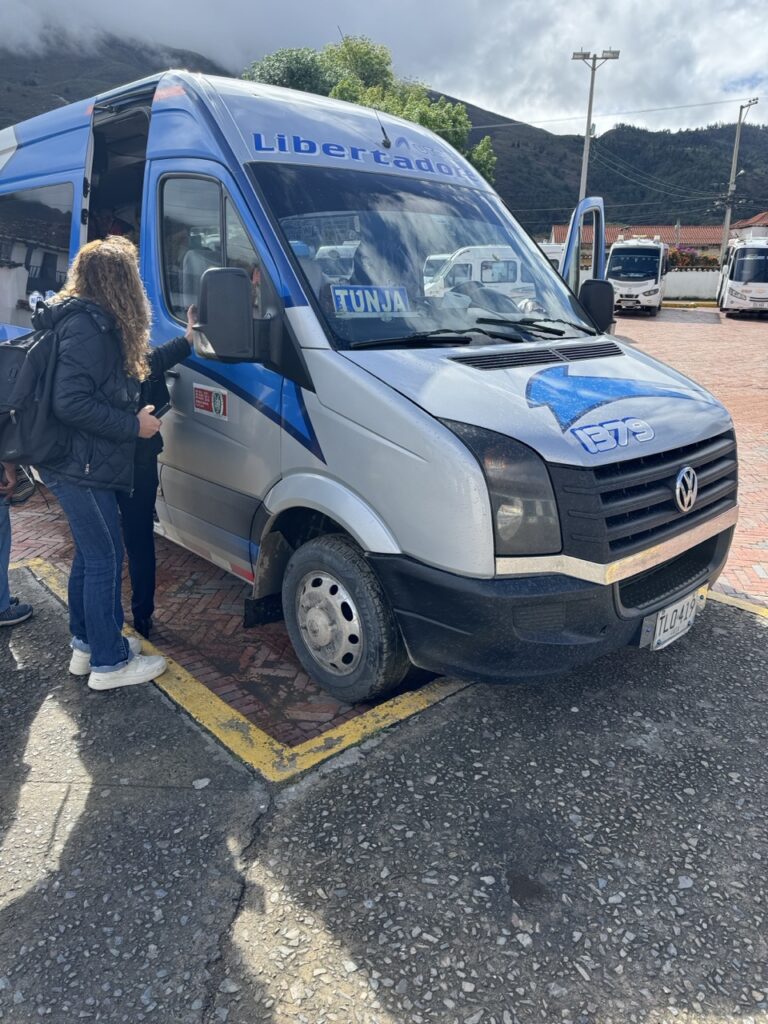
329	623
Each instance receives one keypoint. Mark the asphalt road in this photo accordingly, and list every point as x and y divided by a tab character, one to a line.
590	850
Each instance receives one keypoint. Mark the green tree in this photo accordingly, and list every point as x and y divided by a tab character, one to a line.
360	71
301	68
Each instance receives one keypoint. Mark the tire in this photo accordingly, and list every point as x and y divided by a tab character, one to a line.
653	311
331	593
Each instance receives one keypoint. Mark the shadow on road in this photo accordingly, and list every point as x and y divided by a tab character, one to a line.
118	876
591	849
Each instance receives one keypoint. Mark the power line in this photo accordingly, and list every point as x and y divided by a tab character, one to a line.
663	191
696	203
615	113
651	178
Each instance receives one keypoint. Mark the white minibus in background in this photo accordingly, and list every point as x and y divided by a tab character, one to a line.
744	277
637	269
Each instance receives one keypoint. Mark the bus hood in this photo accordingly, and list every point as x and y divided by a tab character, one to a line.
573	411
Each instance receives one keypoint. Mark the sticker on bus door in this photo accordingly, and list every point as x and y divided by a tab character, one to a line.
210	401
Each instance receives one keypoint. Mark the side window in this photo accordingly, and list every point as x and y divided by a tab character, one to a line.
35	226
458	273
202	229
191	238
240	252
498	271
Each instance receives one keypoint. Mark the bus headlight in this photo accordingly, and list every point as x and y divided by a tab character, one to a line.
525	519
653	291
738	295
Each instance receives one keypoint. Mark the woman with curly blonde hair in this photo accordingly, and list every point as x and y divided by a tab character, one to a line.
101	319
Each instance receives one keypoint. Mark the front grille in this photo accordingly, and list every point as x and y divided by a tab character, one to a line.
667	581
608	512
540	356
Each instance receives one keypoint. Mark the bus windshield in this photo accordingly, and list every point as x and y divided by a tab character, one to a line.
634	265
400	229
750	266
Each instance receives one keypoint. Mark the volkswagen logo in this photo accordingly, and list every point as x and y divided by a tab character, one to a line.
686	488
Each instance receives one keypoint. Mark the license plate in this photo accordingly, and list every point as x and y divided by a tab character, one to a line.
760	302
675	620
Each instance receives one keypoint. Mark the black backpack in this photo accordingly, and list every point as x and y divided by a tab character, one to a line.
29	433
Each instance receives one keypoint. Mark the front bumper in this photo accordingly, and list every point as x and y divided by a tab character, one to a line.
637	302
506	629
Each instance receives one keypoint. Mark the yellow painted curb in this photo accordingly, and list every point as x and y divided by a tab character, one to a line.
276	761
738	602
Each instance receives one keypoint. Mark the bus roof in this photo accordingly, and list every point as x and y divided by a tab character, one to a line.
254	121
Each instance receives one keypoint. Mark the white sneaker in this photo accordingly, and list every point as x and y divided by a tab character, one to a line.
141	669
80	662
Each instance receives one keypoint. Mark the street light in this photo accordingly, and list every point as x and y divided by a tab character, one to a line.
593	61
732	181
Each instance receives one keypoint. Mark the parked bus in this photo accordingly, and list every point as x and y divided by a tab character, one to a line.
744	277
637	269
472	485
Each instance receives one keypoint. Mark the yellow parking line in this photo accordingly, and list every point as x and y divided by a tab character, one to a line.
276	761
738	602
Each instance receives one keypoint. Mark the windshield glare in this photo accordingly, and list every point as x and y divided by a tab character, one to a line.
633	265
428	256
751	267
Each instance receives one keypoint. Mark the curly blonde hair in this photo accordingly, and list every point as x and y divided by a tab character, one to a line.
107	272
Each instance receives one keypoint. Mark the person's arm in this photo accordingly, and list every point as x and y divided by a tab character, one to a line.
81	348
166	356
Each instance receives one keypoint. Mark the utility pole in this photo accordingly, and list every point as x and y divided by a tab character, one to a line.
732	181
593	62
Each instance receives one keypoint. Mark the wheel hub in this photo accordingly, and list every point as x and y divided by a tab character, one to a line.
329	623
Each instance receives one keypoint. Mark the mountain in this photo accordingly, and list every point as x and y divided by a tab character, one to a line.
33	83
644	176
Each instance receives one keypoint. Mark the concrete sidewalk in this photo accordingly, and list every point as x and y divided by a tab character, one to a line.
118	875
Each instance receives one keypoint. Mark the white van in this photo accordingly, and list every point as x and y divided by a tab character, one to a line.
486	266
554	251
453	480
744	277
637	269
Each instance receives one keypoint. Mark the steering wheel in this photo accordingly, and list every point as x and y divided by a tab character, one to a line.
487	298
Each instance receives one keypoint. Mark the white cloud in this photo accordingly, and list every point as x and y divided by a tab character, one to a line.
511	56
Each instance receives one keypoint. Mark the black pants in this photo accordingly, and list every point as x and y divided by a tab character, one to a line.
137	514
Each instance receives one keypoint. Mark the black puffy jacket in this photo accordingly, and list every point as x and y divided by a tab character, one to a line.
93	398
154	391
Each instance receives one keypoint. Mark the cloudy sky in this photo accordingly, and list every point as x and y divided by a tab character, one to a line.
511	56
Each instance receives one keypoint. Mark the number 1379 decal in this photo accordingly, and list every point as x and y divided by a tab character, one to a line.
603	437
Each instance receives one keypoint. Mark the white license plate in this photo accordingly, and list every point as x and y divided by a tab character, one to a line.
760	302
675	621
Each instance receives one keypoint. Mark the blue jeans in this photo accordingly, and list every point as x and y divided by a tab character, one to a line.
5	555
95	603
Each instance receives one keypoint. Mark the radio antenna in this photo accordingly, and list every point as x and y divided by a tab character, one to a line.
385	140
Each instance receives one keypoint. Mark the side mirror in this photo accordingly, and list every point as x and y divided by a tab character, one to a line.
225	316
597	299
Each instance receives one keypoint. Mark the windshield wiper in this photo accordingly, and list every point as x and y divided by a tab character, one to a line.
537	323
442	336
526	324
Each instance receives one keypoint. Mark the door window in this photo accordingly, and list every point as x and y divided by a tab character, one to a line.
202	229
458	273
35	227
498	271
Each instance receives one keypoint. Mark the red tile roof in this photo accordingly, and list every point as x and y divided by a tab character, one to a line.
686	234
760	220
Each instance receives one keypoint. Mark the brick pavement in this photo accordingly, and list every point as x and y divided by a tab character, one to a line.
199	616
730	359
